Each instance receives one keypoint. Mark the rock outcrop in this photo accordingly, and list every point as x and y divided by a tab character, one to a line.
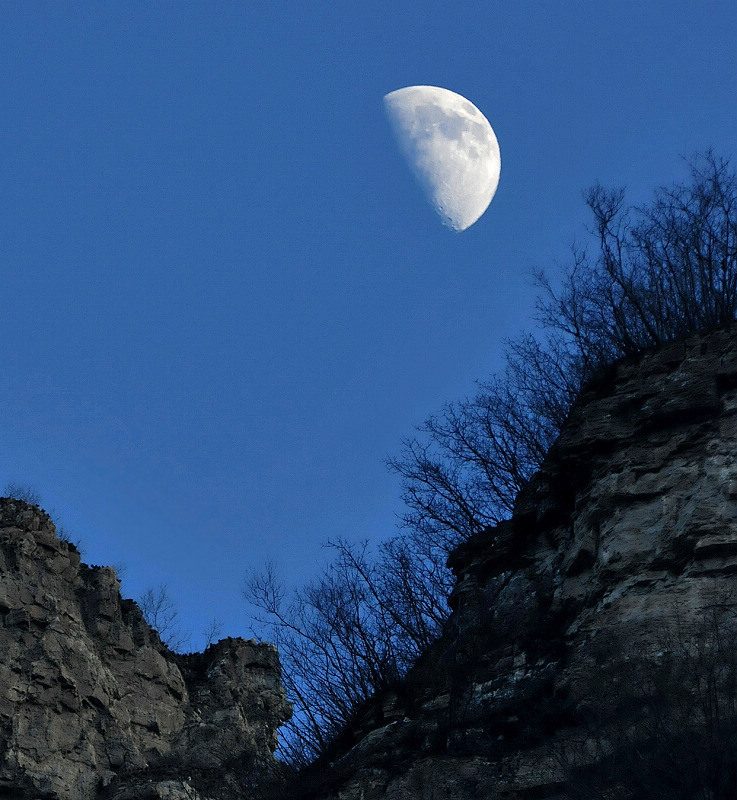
570	619
91	700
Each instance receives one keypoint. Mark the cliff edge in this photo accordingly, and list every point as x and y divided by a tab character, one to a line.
92	702
591	648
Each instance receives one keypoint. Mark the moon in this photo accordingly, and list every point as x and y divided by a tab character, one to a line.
451	148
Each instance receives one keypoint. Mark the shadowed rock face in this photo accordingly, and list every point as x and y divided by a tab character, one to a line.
90	698
628	532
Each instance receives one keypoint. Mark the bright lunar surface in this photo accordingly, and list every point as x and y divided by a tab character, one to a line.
451	148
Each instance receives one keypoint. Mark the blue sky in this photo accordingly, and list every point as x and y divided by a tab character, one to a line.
225	300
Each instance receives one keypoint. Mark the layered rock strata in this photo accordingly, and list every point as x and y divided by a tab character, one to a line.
92	701
625	538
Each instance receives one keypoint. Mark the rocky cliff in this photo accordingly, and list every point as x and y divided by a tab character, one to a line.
92	702
591	651
593	635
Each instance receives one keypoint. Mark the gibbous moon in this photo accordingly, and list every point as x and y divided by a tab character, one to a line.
450	147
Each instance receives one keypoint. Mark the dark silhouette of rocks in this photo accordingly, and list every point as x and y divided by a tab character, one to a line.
91	700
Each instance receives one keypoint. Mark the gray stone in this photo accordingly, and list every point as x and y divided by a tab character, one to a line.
91	699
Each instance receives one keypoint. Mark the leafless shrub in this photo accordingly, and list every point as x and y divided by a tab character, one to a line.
22	491
212	632
159	611
29	494
65	535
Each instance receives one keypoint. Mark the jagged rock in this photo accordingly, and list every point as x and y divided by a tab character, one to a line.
91	700
627	532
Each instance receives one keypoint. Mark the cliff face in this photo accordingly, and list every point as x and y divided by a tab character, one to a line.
90	699
594	608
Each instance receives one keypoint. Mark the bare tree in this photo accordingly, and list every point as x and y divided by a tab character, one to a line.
212	632
159	611
657	272
352	632
464	471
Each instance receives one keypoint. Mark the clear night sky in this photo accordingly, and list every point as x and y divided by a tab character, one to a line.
224	300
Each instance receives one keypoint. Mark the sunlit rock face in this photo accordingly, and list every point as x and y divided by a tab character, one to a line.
93	704
619	550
